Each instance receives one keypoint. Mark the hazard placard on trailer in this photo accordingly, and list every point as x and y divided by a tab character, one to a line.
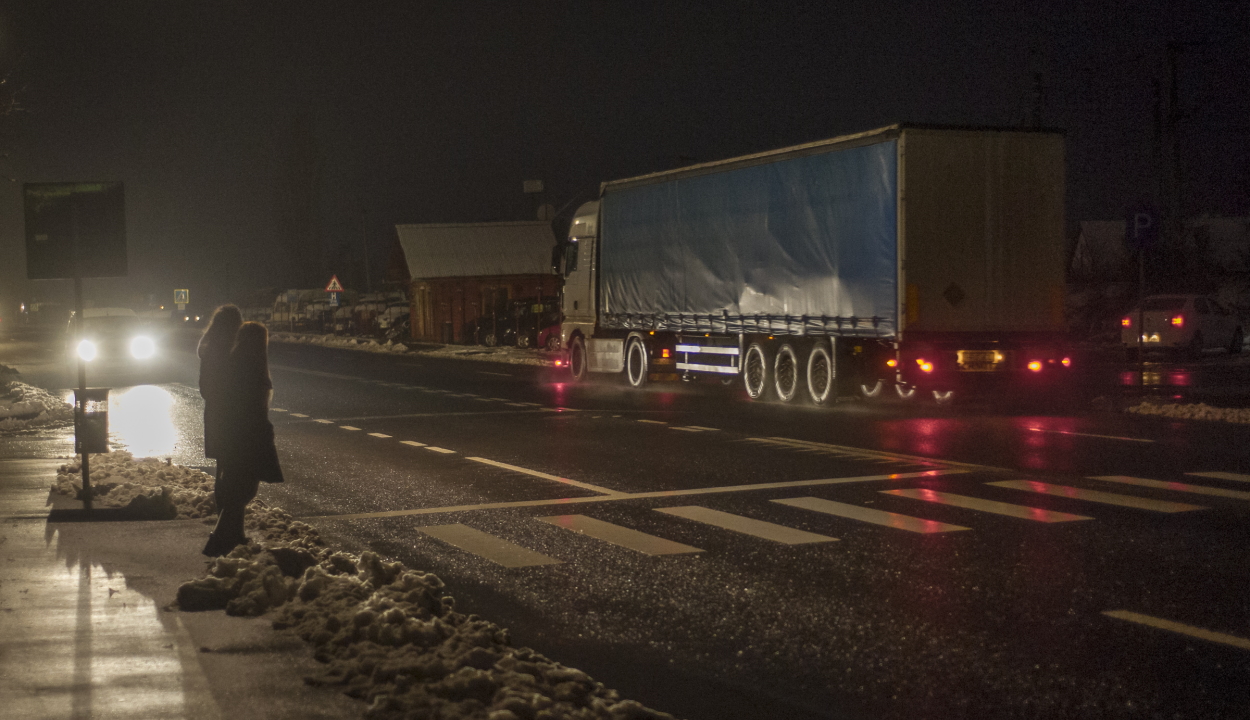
334	284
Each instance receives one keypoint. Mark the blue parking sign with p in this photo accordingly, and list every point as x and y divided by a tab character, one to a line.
1142	228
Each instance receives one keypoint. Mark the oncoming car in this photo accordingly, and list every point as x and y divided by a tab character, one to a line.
1191	323
112	334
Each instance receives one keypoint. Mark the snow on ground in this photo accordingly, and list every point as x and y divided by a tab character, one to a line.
23	406
388	635
511	355
1191	411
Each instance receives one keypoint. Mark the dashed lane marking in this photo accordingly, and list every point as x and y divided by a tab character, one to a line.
685	429
653	422
349	427
511	404
845	451
643	495
544	476
1178	487
989	506
1096	496
379	435
485	545
487	372
746	525
618	535
1180	628
413	443
298	415
868	515
1091	435
445	451
700	427
504	400
323	422
277	409
1235	477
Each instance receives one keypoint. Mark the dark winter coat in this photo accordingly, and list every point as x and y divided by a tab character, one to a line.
248	442
213	385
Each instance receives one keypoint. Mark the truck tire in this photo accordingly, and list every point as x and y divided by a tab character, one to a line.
787	376
578	367
636	365
943	397
871	390
905	391
755	368
821	375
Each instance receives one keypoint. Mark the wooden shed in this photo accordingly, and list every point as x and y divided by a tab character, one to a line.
459	273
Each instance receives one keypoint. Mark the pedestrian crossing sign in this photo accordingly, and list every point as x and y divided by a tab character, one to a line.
334	285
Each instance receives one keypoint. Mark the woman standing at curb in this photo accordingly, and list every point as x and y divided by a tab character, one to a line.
248	454
214	352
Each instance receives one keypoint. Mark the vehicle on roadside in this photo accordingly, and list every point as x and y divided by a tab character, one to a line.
1187	323
907	260
114	334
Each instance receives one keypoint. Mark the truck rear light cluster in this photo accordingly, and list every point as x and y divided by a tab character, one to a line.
664	352
1178	321
925	365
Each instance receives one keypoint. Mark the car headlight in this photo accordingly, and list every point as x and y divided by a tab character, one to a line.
87	350
142	347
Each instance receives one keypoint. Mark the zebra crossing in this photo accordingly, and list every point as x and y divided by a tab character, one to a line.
511	555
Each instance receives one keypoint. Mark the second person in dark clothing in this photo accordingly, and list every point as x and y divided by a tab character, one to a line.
214	351
247	452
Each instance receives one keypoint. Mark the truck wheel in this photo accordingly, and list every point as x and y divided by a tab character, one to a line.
755	371
905	391
821	375
577	359
943	397
1234	347
786	378
871	391
636	363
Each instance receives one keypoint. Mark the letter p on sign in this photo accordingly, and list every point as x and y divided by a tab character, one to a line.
1143	228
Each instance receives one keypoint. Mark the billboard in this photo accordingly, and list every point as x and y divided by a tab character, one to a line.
75	230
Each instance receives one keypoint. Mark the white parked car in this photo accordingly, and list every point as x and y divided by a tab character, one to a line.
1182	322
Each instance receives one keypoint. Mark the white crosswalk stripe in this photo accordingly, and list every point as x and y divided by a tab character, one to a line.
1178	487
869	515
485	545
1096	496
618	535
746	525
989	506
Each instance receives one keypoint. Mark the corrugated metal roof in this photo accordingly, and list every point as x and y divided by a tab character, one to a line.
476	249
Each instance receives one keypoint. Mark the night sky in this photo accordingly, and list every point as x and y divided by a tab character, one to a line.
237	124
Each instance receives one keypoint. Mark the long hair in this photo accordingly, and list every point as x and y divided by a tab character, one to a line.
250	357
218	337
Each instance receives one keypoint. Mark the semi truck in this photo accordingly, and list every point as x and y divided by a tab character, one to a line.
903	261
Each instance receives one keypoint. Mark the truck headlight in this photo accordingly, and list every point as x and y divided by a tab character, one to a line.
87	350
142	347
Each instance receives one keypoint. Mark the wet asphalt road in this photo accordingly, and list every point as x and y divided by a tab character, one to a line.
944	610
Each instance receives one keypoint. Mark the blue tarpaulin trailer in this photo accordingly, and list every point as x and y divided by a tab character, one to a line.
829	267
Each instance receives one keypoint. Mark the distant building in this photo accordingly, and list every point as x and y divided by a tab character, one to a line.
460	273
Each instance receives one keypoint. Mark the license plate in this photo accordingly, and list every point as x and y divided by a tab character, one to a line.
979	360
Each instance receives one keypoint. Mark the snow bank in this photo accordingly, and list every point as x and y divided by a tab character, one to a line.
388	635
510	355
23	406
1191	411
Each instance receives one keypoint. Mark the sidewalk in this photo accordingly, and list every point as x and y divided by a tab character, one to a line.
84	633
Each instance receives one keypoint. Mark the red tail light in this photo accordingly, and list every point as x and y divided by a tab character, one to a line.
559	363
664	353
1035	365
891	363
1126	322
1178	321
1067	362
925	365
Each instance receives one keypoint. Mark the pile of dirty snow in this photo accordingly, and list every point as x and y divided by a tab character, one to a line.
391	636
23	406
387	634
336	341
1191	411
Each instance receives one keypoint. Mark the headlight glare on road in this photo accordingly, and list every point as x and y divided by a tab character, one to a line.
87	350
142	347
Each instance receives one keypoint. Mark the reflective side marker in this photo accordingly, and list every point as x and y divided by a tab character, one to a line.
485	545
1096	497
989	506
868	515
746	525
617	535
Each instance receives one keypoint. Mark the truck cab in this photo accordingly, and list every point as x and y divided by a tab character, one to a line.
577	265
